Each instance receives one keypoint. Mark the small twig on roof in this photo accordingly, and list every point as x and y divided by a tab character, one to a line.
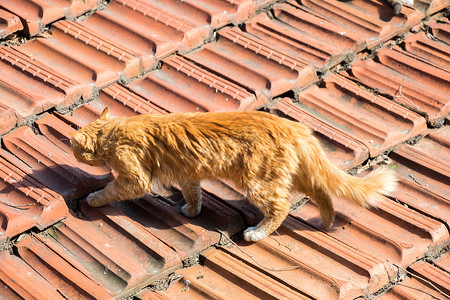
403	96
289	268
423	280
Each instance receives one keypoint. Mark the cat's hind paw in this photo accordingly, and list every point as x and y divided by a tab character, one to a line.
190	213
254	234
94	200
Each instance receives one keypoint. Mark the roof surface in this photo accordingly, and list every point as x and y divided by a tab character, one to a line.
375	88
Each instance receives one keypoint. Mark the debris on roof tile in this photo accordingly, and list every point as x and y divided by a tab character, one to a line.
426	280
423	170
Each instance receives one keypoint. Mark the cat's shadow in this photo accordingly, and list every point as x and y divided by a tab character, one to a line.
159	213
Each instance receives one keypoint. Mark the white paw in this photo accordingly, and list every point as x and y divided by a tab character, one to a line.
254	234
408	2
190	213
93	200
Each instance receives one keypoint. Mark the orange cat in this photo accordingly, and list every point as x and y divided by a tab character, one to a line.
265	156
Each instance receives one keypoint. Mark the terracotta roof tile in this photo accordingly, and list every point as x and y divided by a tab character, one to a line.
225	276
20	281
343	150
306	35
259	66
423	173
25	203
349	272
440	30
434	51
53	164
29	87
374	20
413	82
96	63
431	6
185	235
364	116
167	88
87	257
171	56
9	23
37	14
391	233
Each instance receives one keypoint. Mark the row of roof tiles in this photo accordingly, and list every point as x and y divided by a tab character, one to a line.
243	68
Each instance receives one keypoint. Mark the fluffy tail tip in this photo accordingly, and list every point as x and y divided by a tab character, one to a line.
385	181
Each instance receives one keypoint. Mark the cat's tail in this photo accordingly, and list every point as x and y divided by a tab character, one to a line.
364	191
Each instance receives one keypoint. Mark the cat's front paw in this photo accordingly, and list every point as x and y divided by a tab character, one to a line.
190	213
94	199
254	234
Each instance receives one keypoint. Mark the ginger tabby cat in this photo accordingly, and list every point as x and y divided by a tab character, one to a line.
266	156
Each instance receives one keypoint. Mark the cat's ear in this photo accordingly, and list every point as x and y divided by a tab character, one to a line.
78	137
105	116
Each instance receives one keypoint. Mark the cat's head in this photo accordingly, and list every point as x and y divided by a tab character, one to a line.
85	142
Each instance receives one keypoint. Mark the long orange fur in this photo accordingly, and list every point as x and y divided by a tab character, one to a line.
266	156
